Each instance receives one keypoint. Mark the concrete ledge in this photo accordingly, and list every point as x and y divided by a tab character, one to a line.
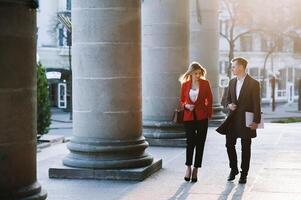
215	122
42	146
167	142
52	139
135	174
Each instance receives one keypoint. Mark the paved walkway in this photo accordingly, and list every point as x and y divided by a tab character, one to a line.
275	172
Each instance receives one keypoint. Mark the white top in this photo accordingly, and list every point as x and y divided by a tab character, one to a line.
239	84
193	94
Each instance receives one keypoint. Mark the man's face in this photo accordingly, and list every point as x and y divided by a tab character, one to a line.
236	68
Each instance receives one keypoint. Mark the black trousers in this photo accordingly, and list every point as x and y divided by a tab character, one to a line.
245	154
196	133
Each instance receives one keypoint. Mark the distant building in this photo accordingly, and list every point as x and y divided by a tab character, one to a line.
284	63
53	48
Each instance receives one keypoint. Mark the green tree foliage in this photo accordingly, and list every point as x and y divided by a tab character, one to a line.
43	102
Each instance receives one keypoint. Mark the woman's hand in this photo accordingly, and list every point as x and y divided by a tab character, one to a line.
189	106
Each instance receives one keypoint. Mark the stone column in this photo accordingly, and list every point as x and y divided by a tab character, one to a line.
18	102
164	59
204	47
107	116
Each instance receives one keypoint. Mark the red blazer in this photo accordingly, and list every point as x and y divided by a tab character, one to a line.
203	104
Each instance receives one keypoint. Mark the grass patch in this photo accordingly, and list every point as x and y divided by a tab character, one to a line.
287	120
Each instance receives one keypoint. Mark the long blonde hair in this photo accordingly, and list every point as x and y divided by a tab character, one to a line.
192	67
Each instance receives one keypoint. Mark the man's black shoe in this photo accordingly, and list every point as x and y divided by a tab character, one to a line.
243	179
232	175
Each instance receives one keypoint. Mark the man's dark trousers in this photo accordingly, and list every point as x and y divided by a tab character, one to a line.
245	155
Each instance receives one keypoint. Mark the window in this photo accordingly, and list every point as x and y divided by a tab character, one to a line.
263	88
254	72
297	79
246	43
224	27
264	44
282	79
287	44
68	4
61	36
280	45
65	37
69	38
223	66
290	74
297	45
226	66
263	72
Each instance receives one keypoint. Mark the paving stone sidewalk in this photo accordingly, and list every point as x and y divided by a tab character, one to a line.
275	172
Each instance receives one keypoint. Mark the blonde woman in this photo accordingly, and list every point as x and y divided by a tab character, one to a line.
196	100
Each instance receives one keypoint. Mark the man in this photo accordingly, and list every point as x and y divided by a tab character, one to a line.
243	96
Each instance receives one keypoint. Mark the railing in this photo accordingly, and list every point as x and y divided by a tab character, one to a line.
281	93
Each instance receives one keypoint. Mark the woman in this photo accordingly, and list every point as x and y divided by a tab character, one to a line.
196	100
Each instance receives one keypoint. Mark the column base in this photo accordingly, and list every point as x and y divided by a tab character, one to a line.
164	133
134	174
40	196
31	192
93	153
167	142
218	116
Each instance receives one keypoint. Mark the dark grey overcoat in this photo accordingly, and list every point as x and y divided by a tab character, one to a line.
248	101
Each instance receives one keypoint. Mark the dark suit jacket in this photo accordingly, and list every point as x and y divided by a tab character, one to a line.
248	101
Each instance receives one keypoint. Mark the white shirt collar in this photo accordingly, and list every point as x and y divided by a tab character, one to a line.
242	79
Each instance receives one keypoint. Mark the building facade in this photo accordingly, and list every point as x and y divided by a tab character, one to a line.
285	63
54	53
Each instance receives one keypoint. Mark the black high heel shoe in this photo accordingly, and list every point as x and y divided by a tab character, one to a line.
188	171
193	180
194	173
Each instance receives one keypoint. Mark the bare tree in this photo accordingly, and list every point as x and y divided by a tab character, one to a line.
274	20
279	23
240	23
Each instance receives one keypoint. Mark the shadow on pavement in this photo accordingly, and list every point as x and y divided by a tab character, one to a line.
182	192
228	189
239	192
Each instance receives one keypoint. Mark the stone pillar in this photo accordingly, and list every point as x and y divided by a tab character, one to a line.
18	102
164	59
107	116
204	47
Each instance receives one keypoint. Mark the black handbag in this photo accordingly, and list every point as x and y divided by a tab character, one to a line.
178	116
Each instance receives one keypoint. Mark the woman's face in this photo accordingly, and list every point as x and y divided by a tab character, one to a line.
197	74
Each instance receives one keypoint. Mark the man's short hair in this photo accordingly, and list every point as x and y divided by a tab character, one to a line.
241	61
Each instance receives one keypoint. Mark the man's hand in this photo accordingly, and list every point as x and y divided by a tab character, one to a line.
189	107
254	126
232	106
